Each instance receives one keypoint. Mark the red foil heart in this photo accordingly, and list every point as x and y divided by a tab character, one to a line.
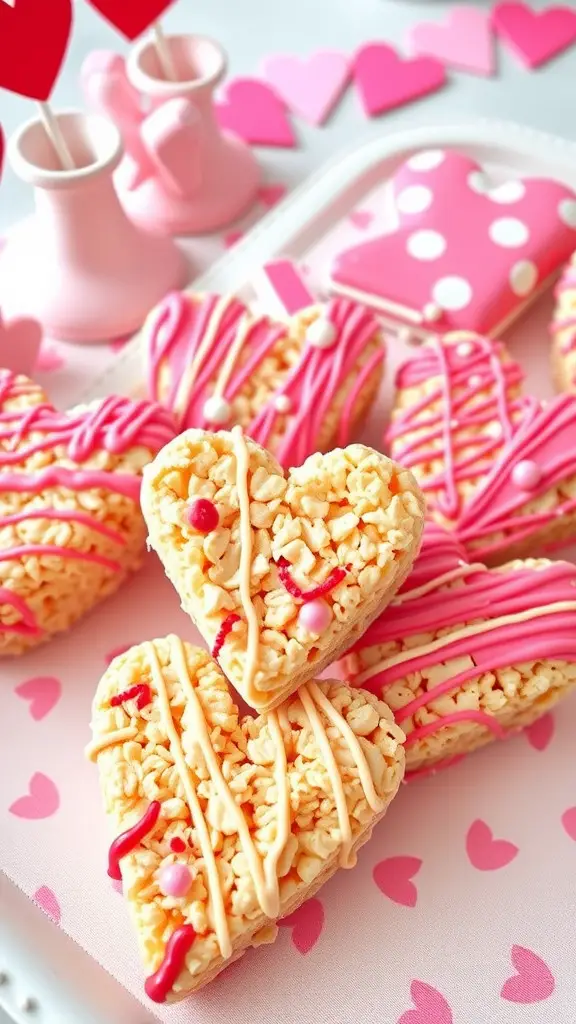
131	17
34	37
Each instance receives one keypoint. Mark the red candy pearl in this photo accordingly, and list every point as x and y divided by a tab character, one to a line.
203	515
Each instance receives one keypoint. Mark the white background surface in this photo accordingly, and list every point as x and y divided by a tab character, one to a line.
250	29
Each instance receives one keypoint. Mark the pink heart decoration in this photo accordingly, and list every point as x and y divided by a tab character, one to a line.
393	878
541	732
485	852
569	822
43	692
533	981
464	41
48	901
361	219
42	800
534	36
310	86
269	195
385	80
306	923
431	1006
49	359
20	341
252	110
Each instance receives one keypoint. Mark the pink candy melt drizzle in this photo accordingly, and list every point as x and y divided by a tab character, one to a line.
126	841
335	577
161	983
223	632
175	333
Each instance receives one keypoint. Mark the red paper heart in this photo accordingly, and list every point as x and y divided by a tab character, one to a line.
1	150
131	17
34	36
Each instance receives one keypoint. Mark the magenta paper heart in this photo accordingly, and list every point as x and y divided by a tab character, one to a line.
306	923
48	901
50	359
252	110
534	36
541	732
361	219
483	485
311	86
43	693
477	269
463	41
385	80
569	822
431	1006
20	341
533	981
269	195
485	852
393	878
41	801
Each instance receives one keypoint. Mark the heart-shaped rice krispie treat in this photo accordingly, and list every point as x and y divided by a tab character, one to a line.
226	823
296	387
466	654
497	466
70	522
279	572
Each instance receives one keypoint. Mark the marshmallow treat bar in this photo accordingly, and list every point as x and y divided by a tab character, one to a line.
279	572
224	824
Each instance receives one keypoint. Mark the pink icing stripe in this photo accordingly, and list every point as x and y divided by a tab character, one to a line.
24	550
66	515
345	428
27	626
288	285
459	716
73	479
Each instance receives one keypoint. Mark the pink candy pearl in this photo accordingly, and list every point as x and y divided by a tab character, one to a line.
315	616
526	475
175	880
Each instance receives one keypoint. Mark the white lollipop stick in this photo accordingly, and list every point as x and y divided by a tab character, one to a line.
54	133
164	55
285	288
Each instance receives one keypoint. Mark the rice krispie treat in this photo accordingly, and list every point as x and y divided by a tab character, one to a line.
496	466
563	330
70	522
279	572
225	824
466	654
296	387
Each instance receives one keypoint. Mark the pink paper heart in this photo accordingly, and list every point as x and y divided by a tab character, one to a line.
569	822
50	359
463	41
534	36
533	981
310	86
361	219
392	876
253	111
485	852
431	1006
43	692
42	800
48	901
541	732
20	341
386	81
269	195
306	923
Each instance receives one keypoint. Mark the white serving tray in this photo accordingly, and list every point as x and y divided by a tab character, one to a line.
41	962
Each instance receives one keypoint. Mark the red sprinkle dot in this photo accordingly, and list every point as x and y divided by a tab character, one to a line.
177	845
203	515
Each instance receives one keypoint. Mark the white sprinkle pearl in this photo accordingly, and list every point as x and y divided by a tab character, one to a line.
216	410
405	335
474	381
321	333
431	312
283	403
465	349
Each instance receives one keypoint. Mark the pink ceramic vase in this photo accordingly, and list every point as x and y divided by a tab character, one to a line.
79	265
182	174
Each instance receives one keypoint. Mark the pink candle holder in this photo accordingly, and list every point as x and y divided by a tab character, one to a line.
79	266
182	173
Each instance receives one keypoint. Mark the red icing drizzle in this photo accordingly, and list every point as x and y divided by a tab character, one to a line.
223	632
140	692
158	985
126	841
335	577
